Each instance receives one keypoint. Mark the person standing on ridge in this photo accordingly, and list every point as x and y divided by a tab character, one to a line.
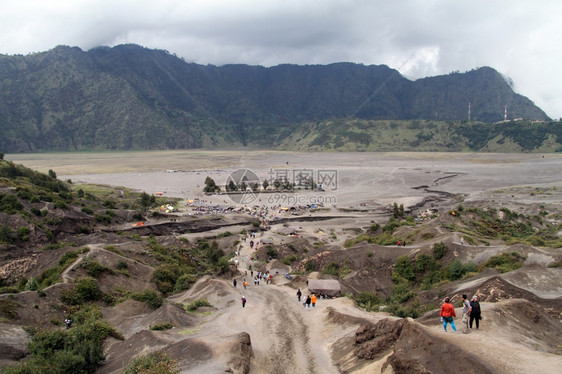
475	313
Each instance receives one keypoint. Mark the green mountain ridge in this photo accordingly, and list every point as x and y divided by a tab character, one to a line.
129	97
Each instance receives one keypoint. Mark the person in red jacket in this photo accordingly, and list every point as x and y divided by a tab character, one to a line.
447	314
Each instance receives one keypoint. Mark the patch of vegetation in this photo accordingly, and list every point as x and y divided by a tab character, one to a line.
289	259
86	289
94	268
161	326
150	297
76	350
153	363
224	234
367	300
194	305
505	262
52	275
8	308
439	250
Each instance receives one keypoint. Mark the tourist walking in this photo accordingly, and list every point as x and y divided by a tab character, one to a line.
313	300
245	283
466	309
299	294
307	302
475	313
448	314
234	283
243	301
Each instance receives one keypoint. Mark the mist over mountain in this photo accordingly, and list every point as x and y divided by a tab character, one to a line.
130	97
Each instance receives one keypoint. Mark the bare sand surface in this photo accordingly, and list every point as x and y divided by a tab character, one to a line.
358	178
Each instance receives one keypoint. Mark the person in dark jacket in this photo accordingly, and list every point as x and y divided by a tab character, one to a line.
476	313
299	294
307	302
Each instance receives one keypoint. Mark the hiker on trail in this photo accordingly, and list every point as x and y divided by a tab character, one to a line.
307	302
447	314
243	301
475	313
462	240
313	300
404	243
68	322
245	283
251	272
465	313
299	294
399	243
234	283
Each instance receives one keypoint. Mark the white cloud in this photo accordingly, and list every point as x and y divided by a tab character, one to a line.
518	38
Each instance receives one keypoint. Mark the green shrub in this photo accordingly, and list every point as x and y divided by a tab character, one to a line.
184	282
32	285
403	268
68	257
153	363
367	300
150	297
505	262
401	293
332	269
439	250
191	307
310	266
289	259
456	269
165	277
94	268
8	308
161	326
86	289
10	204
76	350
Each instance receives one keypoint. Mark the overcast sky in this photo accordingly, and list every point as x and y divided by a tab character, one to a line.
418	37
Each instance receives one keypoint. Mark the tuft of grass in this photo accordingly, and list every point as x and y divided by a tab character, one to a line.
194	305
161	326
153	363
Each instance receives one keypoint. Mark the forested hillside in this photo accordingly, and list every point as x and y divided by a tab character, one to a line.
130	97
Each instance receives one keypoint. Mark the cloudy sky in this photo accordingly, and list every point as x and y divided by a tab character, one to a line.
418	37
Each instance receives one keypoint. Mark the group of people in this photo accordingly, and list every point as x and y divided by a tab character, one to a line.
310	299
471	313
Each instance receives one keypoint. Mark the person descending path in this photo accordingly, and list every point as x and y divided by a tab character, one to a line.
313	300
234	283
245	283
243	301
299	294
